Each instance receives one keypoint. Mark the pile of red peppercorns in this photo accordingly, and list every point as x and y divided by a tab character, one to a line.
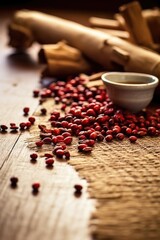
89	115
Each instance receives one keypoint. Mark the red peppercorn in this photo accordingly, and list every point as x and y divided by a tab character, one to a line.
56	114
59	153
87	150
60	138
14	128
3	128
100	137
12	124
152	131
14	181
56	131
47	140
141	133
66	134
78	188
120	136
64	124
28	124
45	135
31	119
133	139
82	146
55	140
68	140
90	142
57	148
109	138
48	155
128	131
49	162
26	110
39	143
67	154
34	156
116	129
91	112
22	125
43	111
93	135
35	187
85	121
35	93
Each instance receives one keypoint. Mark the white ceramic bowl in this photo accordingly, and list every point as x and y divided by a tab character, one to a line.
132	91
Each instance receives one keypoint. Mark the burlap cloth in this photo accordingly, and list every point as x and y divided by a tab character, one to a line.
124	178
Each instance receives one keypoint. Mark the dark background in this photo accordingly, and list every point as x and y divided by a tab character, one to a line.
98	5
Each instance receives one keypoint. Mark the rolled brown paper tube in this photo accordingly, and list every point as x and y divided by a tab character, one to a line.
98	46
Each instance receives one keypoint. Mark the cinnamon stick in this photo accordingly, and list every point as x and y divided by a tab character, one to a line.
62	60
152	17
136	24
105	23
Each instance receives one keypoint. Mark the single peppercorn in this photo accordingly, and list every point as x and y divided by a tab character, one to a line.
109	138
31	119
120	136
3	128
22	125
43	111
14	128
34	156
49	162
87	150
26	110
36	93
39	143
35	187
133	139
14	181
28	124
48	155
78	188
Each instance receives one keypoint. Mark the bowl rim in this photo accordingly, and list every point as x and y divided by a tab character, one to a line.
153	84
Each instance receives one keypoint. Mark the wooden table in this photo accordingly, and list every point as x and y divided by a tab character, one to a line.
55	213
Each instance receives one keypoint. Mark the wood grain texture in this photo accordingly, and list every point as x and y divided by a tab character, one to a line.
55	212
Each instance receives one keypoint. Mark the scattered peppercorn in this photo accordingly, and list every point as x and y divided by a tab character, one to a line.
39	143
3	128
14	128
36	92
34	156
35	187
43	111
49	162
78	188
26	110
14	181
48	155
28	124
31	119
22	125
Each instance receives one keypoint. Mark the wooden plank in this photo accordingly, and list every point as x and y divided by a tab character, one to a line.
55	212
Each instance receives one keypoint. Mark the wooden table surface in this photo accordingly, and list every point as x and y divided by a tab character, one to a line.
55	213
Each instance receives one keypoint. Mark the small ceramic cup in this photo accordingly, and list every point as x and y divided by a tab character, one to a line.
132	91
